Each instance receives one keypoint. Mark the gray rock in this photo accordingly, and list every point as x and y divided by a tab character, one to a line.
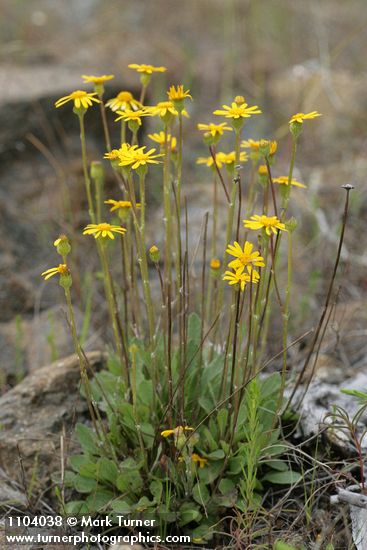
34	413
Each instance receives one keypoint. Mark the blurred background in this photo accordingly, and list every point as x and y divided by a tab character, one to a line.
285	56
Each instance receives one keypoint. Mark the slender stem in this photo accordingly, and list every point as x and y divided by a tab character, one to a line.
105	123
85	169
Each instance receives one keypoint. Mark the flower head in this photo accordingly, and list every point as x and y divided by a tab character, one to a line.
124	101
132	116
237	110
146	69
215	263
244	256
262	170
255	145
61	269
62	245
240	277
135	157
230	158
81	99
270	224
176	431
160	137
209	161
103	230
214	130
284	180
202	462
112	155
120	205
300	117
177	93
97	79
164	109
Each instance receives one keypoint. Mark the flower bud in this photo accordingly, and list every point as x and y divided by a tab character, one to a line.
295	129
63	245
154	254
65	280
291	224
96	170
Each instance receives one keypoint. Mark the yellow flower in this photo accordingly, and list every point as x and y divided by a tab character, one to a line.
270	224
120	205
136	157
60	240
178	93
229	158
146	69
300	117
124	101
160	138
62	269
80	98
215	263
163	108
245	257
255	145
179	430
202	462
263	170
112	155
103	230
283	180
199	460
134	116
97	79
209	162
237	111
214	130
241	278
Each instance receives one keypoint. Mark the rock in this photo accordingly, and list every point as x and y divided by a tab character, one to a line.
319	401
34	413
16	296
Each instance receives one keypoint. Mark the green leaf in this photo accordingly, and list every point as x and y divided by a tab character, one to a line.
148	434
156	488
87	439
194	328
85	484
235	464
107	470
188	514
76	508
99	500
200	493
283	478
279	465
222	418
210	472
280	545
218	454
362	396
121	507
77	461
209	439
226	486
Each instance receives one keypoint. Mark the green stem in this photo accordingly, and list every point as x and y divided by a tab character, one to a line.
85	168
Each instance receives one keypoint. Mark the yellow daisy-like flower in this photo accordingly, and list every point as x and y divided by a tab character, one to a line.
201	461
236	111
61	269
163	108
146	69
176	431
160	138
241	277
80	98
300	117
136	157
124	101
255	145
245	257
271	224
103	230
112	155
134	116
120	205
209	162
229	158
178	93
97	79
283	180
214	130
